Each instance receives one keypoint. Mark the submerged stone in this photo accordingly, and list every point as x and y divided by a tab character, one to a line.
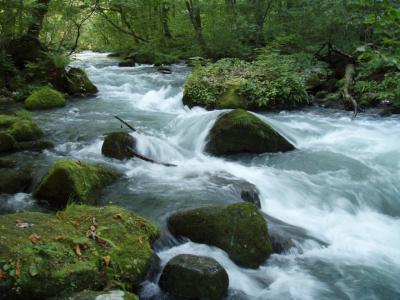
127	63
45	98
194	277
74	181
118	145
238	229
79	84
56	255
241	132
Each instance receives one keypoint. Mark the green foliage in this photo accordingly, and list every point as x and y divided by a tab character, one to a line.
270	82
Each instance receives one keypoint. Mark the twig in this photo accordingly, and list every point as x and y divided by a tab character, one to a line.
142	157
125	123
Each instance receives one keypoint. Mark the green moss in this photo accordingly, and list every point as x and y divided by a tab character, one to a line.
7	143
7	120
118	144
74	181
93	295
45	98
241	132
25	130
232	98
52	266
239	229
78	83
12	181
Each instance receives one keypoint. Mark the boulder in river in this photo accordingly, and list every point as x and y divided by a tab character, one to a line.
25	130
127	63
194	277
239	229
15	181
7	143
242	132
79	84
80	248
44	98
74	181
96	295
118	145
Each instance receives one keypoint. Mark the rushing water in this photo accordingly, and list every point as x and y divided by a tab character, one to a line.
335	199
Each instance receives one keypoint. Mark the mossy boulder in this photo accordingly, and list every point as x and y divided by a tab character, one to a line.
241	132
6	163
45	98
238	229
7	143
15	181
74	181
118	145
36	146
25	130
58	254
79	84
194	277
127	63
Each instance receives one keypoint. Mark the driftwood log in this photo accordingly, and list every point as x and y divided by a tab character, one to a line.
133	153
343	65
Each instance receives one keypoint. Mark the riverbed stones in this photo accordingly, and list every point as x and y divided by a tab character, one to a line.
78	83
74	181
44	98
118	145
94	295
56	255
7	143
242	132
194	277
238	229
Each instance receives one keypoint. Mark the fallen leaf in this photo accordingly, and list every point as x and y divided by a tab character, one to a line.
141	239
140	222
3	275
117	216
24	225
78	250
76	223
17	221
57	238
93	228
101	242
34	238
107	260
18	267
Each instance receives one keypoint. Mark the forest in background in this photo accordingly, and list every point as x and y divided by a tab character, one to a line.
165	31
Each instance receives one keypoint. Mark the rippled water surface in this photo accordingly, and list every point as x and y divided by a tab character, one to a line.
336	198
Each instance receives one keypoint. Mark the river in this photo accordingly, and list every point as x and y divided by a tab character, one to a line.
336	198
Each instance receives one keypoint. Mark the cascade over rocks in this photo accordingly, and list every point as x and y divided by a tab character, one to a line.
59	254
118	144
238	229
241	132
194	277
74	181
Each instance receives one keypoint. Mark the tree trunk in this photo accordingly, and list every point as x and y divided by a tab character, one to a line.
38	14
348	82
165	19
193	7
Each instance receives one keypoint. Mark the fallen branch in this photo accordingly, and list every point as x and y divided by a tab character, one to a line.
145	158
348	82
125	123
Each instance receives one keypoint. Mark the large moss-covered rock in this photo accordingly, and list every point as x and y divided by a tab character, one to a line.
79	84
15	181
25	130
239	229
74	181
58	254
45	98
194	277
241	132
93	295
118	145
7	143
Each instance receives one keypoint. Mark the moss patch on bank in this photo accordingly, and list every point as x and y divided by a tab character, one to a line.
56	255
